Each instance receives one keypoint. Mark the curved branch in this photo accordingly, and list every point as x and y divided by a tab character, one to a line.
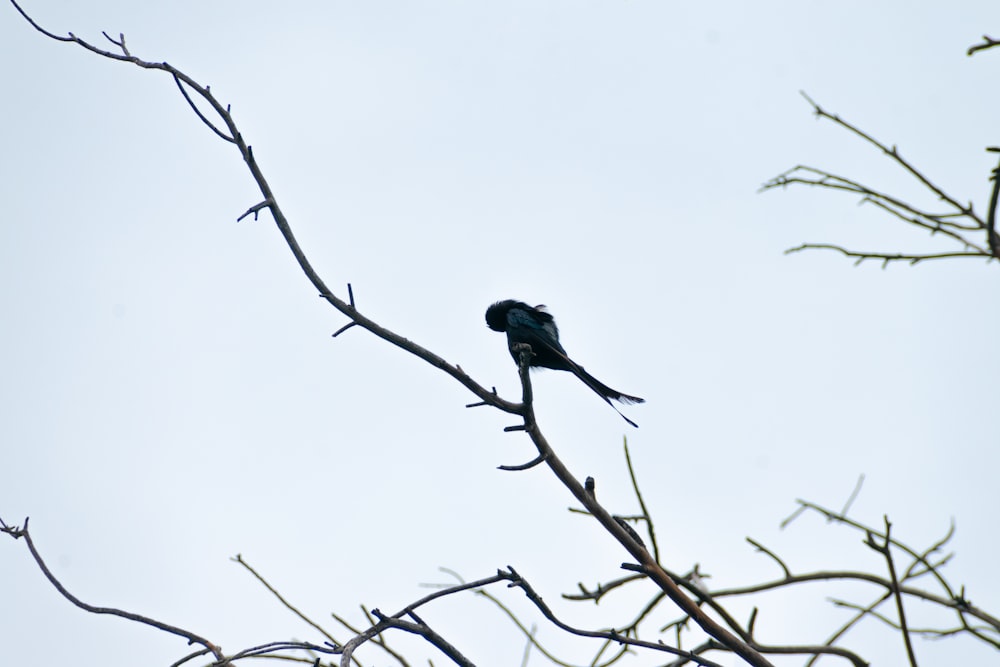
395	620
613	635
233	135
192	638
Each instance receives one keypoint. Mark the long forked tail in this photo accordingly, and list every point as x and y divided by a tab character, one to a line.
606	392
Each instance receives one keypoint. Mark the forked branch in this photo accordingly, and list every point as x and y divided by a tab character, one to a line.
959	223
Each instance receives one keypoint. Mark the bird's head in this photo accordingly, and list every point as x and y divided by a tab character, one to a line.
496	315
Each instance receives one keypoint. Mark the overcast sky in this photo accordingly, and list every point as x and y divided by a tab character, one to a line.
172	395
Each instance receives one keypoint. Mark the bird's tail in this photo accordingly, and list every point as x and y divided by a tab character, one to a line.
607	393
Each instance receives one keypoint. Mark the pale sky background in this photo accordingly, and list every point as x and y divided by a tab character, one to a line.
172	397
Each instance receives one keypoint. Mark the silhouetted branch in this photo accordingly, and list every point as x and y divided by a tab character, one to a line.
650	530
854	494
991	215
893	154
233	135
533	640
987	43
923	564
192	638
22	533
238	558
422	629
761	548
955	224
885	548
382	622
885	258
601	590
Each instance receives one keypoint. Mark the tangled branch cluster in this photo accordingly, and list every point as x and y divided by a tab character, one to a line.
959	224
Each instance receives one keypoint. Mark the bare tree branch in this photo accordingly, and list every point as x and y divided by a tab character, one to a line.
885	258
238	558
642	503
270	202
192	638
18	533
957	224
987	43
991	216
424	630
886	550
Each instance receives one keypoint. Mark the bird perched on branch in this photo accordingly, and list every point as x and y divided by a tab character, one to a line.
536	327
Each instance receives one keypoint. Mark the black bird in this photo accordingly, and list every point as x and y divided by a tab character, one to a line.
537	328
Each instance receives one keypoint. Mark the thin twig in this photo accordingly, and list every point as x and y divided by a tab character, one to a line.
764	550
893	154
886	550
422	629
885	258
537	600
854	495
238	558
642	503
382	622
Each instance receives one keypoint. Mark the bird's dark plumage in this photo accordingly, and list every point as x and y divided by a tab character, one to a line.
536	327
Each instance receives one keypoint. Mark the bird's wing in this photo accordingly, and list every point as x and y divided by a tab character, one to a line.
538	329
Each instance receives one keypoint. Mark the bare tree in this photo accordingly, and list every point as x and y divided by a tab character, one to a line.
963	232
697	615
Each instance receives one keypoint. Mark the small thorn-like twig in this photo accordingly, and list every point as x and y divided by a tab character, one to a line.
256	209
541	458
120	42
854	494
764	550
343	329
